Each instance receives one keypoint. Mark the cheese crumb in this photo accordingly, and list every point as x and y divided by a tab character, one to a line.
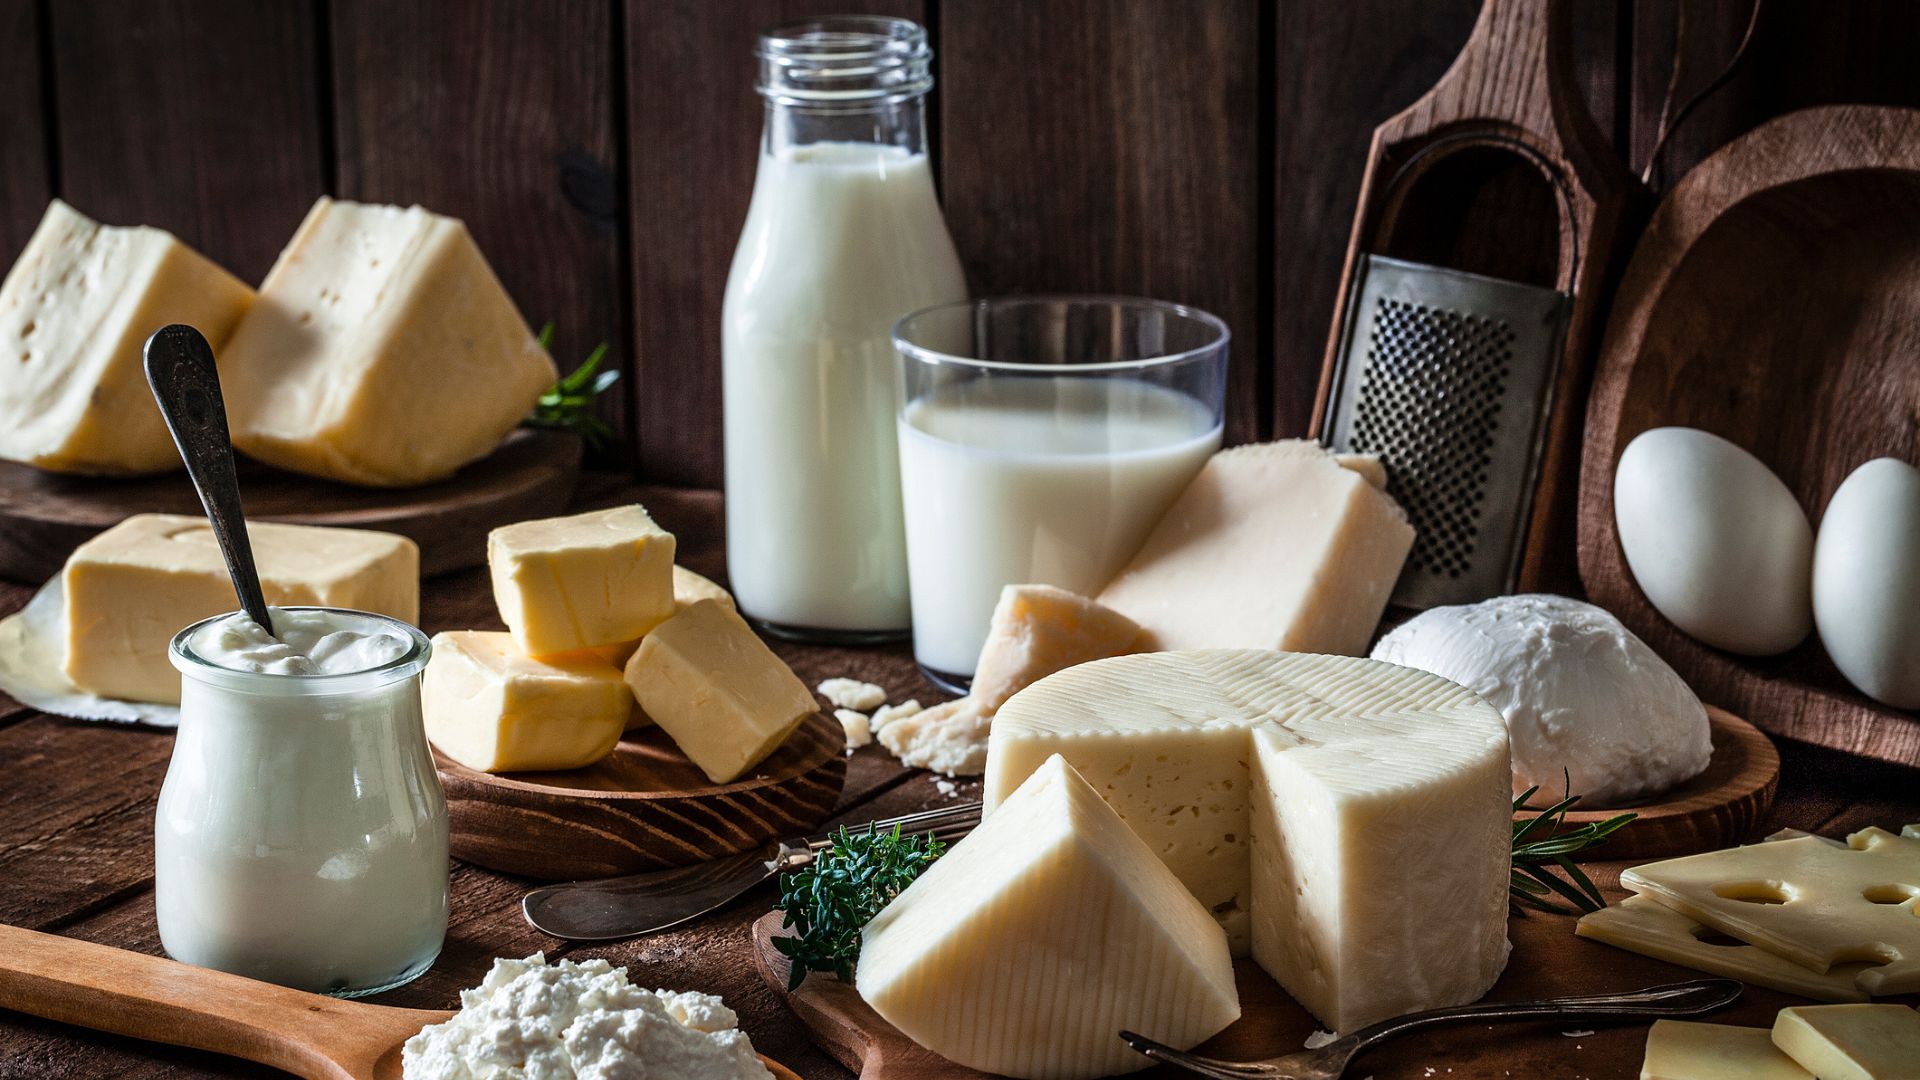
946	787
858	727
852	694
1321	1038
887	714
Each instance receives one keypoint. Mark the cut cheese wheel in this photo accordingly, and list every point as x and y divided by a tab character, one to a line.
1641	925
1026	949
1346	819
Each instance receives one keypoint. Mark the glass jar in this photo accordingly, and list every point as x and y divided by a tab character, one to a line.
301	834
843	237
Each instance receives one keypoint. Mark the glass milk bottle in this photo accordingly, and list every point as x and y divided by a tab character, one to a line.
843	237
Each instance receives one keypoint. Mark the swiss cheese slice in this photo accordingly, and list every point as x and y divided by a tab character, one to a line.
1851	1042
1030	946
1642	925
491	708
1683	1050
1346	819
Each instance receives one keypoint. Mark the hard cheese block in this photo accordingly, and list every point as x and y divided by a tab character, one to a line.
1347	819
1642	925
491	708
1815	903
579	582
382	351
1029	946
1274	546
1852	1042
75	314
717	690
1682	1050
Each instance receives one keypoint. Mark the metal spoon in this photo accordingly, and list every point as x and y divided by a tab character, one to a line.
186	383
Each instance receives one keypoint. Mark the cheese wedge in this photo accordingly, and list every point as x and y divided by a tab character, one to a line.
1851	1042
1345	819
1683	1050
382	351
717	690
1641	925
1029	946
1274	546
75	314
490	708
131	588
1038	630
580	582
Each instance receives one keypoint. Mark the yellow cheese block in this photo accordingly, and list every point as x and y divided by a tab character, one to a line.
75	313
1683	1050
382	351
717	690
1851	1042
491	708
580	582
130	589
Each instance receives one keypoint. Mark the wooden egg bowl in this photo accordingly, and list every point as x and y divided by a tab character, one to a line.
1773	300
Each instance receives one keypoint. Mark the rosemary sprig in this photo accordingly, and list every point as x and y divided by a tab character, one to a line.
827	903
1532	881
568	404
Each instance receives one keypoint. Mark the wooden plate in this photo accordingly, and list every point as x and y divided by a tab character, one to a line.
1774	300
44	516
779	1071
643	807
1719	808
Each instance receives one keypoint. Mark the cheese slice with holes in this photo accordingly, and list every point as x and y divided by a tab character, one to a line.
1346	820
1812	902
1683	1050
1851	1042
1029	946
1641	925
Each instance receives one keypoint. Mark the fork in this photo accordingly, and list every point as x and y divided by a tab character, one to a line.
1330	1062
622	907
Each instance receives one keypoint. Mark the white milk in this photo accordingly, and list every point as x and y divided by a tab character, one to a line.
301	834
1034	481
841	241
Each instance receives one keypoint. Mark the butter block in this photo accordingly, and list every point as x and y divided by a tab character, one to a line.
383	351
1684	1050
717	690
1039	629
1031	944
75	313
1272	546
491	708
131	588
1851	1042
690	588
580	582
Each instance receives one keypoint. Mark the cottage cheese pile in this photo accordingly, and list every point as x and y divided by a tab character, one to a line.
564	1021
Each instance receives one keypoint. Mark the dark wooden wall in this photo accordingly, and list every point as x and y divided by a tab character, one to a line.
1206	151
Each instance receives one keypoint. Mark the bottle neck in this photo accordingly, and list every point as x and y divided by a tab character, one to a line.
900	123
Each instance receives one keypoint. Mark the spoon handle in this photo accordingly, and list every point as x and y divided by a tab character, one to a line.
186	383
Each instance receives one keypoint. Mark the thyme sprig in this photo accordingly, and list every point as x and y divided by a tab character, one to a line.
568	404
1542	843
827	903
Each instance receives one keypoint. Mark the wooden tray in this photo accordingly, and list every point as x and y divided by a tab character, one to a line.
44	516
1773	300
644	807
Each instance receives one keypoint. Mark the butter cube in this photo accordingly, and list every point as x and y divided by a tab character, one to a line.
75	313
382	351
1851	1042
717	690
490	708
130	589
581	582
1683	1050
690	588
1038	630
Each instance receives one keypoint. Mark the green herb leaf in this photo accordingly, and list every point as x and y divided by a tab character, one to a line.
1536	858
568	404
829	902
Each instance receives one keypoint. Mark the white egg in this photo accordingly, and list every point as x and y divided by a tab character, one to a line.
1866	581
1715	540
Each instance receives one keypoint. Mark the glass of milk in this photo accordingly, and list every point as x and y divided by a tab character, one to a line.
301	834
843	237
1041	438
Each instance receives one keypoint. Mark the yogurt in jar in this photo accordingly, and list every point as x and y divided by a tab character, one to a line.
301	834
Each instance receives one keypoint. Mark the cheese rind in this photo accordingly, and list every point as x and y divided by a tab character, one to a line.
581	582
1640	924
131	588
1029	946
1851	1042
1684	1050
75	313
490	708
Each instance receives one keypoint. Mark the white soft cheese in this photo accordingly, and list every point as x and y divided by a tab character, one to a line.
1578	690
539	1021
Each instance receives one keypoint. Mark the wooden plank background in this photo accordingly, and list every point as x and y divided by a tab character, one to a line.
1206	151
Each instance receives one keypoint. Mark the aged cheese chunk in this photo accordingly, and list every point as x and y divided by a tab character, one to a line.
491	708
1642	925
852	694
75	313
1039	629
382	351
1347	819
1274	546
1815	903
600	578
857	726
1029	946
1683	1050
1369	466
949	738
130	589
1851	1042
717	690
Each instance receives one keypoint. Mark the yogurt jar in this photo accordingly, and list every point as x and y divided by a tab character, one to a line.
301	835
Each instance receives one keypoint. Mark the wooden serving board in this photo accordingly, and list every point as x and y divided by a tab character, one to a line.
44	516
643	807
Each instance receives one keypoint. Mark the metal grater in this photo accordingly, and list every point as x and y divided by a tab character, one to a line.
1447	376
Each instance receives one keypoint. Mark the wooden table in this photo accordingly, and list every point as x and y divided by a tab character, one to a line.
76	857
